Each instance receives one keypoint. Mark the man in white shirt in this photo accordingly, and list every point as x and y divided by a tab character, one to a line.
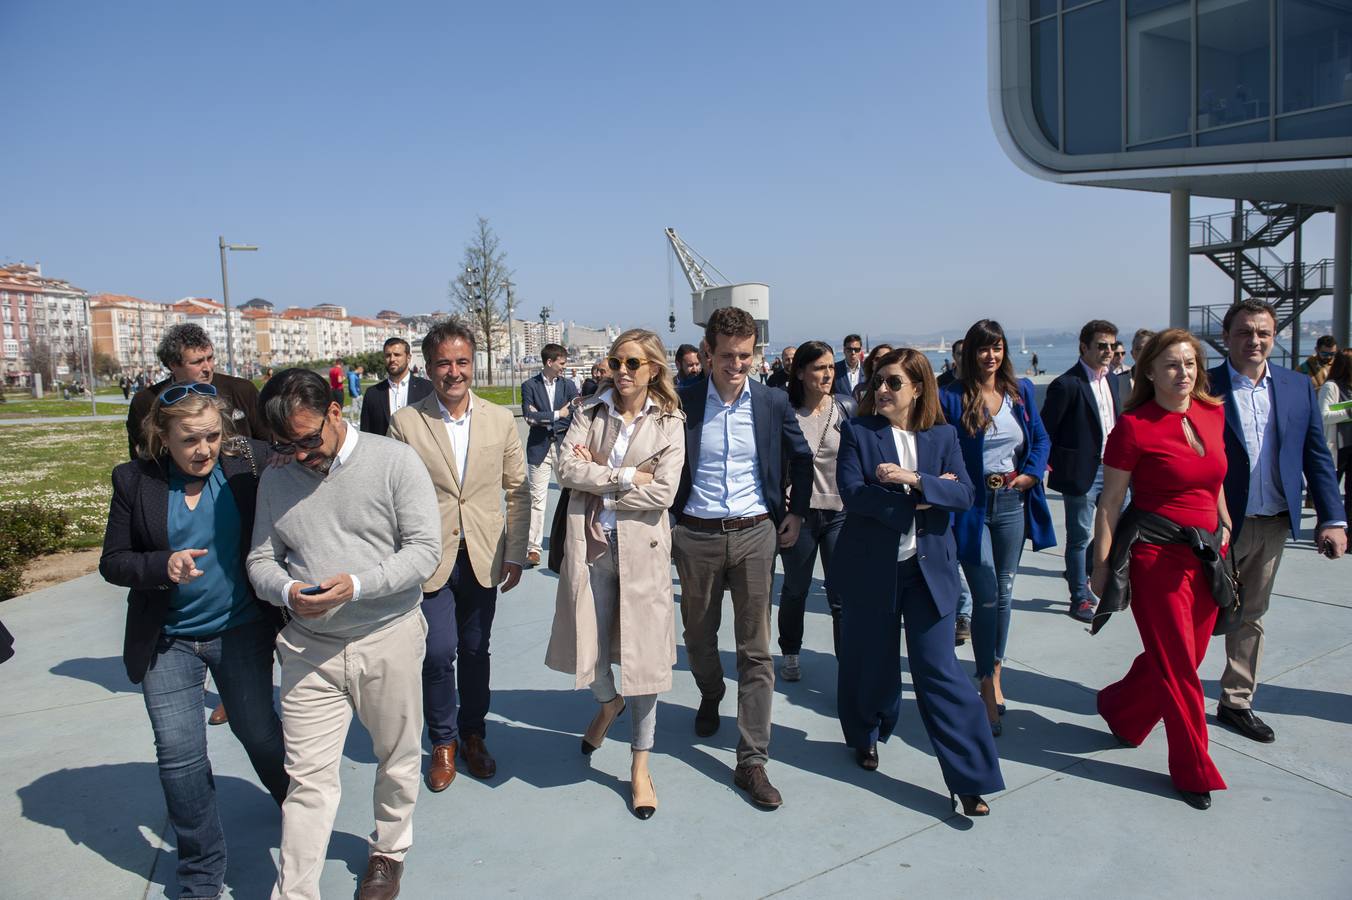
399	389
546	405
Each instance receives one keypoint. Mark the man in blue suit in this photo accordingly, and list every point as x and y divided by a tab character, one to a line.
1080	410
730	518
546	401
1273	436
850	370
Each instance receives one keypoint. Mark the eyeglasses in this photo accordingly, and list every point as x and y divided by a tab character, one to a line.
170	396
633	363
893	382
309	442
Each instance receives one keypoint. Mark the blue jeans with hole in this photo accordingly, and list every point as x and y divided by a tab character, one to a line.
174	687
991	578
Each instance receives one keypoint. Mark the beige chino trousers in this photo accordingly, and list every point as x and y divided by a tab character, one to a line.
324	680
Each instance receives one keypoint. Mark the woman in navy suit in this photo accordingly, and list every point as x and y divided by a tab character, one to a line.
901	475
1004	448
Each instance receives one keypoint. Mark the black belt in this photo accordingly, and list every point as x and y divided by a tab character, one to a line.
723	525
997	480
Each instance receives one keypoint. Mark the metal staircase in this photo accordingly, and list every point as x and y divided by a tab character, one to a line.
1240	244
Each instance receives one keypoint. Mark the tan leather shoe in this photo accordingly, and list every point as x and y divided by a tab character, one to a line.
442	771
381	881
478	760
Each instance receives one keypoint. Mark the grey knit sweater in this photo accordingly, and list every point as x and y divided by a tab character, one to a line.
375	518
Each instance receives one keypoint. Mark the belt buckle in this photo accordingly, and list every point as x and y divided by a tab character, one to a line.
723	525
994	481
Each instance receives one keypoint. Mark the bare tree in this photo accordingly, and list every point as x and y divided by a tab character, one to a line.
480	288
42	359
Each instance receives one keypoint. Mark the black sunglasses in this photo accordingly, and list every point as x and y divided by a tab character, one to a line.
1104	345
170	396
309	442
633	363
893	382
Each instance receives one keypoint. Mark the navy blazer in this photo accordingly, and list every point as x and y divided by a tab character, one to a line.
539	413
841	385
876	514
1033	461
780	445
375	408
136	547
1070	415
1301	450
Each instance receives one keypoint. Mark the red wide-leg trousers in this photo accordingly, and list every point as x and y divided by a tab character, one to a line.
1171	602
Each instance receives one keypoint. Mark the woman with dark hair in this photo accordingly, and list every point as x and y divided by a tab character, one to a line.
820	415
867	365
178	533
1169	446
901	477
1005	449
1337	389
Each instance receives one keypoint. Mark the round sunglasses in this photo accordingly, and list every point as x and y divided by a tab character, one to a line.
633	363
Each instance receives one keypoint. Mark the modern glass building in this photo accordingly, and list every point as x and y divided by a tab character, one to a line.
1242	99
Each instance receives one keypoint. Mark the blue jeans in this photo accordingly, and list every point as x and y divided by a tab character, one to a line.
459	624
1080	510
964	596
821	528
174	687
991	579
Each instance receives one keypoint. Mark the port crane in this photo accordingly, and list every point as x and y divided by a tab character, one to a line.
710	289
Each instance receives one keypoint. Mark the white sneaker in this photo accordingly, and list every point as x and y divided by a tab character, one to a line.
790	670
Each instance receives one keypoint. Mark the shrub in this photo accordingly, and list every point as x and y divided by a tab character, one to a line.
27	530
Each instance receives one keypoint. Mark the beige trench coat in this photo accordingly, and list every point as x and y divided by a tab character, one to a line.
644	643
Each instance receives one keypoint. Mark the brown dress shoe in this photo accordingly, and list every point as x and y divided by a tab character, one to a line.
477	758
756	783
381	881
218	715
442	771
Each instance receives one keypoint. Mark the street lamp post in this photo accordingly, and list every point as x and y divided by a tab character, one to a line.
89	355
511	347
225	296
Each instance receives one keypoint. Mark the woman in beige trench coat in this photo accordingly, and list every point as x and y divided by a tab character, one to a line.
622	461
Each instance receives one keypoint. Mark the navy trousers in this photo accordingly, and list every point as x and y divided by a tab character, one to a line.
868	697
459	624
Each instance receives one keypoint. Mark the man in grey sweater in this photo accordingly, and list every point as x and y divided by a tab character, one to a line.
344	537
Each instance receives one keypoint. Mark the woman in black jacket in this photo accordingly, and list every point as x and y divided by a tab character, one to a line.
178	532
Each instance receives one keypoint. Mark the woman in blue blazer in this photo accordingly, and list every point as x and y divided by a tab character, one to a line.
1005	448
901	475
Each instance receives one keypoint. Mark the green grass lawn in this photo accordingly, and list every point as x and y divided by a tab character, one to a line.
30	408
64	467
500	394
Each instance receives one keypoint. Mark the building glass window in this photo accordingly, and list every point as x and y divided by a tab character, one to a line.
1045	79
1093	70
1335	122
1159	73
1316	53
1233	62
1039	8
1252	133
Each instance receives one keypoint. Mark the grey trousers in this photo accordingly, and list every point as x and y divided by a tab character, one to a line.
744	561
605	587
1258	552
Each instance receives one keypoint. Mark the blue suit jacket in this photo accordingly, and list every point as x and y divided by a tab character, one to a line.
781	448
841	385
539	413
1300	448
876	514
1070	416
1037	517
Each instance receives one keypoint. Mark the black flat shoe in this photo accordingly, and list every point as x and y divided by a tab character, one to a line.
589	748
1246	723
1000	708
1196	799
867	759
972	805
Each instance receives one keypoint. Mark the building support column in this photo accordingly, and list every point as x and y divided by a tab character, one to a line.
1179	203
1342	269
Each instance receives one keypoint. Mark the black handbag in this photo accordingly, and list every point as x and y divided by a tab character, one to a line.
558	533
1227	591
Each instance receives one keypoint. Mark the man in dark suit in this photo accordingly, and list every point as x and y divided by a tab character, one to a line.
850	370
399	389
546	401
1080	410
1274	437
186	351
730	518
779	378
950	375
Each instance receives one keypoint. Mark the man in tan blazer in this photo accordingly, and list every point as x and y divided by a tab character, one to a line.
472	451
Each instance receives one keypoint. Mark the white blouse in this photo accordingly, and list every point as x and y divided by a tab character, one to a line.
906	456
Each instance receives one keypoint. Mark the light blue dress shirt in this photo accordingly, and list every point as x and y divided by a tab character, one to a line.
1259	425
726	480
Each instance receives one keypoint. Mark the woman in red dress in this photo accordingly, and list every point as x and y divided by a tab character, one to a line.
1169	446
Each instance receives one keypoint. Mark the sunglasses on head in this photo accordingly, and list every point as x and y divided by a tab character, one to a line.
893	382
633	363
309	442
170	396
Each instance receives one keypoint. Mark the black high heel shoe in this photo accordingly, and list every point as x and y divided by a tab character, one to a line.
972	805
1196	799
587	748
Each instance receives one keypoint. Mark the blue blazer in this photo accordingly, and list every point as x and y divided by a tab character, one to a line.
1300	448
1070	415
780	448
1037	517
876	514
539	413
841	385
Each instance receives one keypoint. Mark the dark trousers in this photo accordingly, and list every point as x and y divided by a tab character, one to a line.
459	623
821	528
868	695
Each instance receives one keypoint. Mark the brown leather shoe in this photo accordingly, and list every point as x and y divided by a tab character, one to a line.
218	715
755	782
532	559
442	771
381	881
478	760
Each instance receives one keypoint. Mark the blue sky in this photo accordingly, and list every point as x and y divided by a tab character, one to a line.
844	155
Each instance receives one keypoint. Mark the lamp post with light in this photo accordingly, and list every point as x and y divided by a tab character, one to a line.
225	296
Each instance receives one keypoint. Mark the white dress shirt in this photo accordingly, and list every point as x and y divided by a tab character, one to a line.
625	474
552	389
906	457
344	451
399	393
457	430
1103	397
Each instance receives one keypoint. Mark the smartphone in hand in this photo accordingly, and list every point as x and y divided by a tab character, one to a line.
312	591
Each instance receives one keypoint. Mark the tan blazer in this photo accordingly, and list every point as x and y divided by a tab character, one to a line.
472	512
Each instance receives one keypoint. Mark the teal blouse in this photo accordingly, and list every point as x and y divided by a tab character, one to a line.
219	598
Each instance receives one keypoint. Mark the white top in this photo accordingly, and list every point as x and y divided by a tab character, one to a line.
854	376
906	456
344	451
457	430
399	393
552	388
617	452
1103	397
